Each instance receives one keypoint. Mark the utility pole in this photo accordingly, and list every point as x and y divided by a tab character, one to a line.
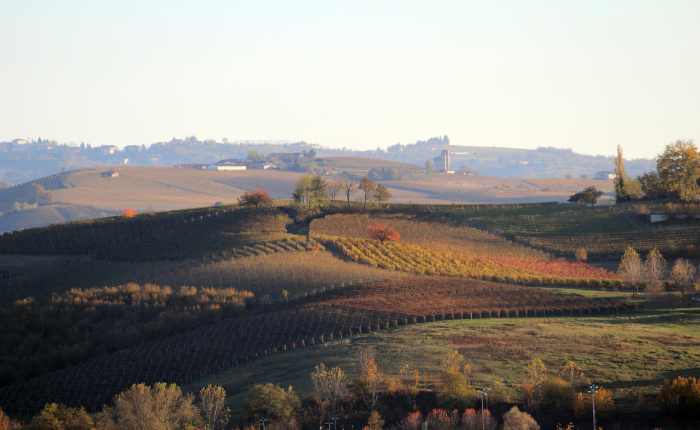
484	392
593	390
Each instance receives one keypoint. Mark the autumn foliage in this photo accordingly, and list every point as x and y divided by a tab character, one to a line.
383	233
129	213
256	197
679	397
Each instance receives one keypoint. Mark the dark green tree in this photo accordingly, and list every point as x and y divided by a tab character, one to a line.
270	401
589	195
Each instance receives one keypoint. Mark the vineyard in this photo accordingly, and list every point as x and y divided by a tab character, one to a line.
184	295
70	328
414	259
431	233
605	232
273	272
332	315
265	269
170	235
268	276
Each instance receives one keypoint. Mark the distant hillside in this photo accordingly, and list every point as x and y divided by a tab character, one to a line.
93	193
367	163
36	159
460	188
360	166
86	194
513	162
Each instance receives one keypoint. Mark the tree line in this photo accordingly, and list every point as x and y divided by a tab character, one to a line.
676	175
314	191
374	398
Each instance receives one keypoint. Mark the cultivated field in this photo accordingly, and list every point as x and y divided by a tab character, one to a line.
414	259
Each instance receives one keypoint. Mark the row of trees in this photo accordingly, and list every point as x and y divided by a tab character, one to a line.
142	407
649	273
313	191
164	406
676	175
373	391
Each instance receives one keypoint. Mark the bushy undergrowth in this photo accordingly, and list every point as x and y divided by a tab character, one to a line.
71	327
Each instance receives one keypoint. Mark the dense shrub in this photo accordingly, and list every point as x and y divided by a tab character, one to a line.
71	327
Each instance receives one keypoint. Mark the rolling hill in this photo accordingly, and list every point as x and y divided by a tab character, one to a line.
200	296
92	193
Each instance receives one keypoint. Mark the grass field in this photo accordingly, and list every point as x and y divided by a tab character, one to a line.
626	354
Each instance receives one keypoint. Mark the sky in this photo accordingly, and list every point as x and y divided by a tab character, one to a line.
587	75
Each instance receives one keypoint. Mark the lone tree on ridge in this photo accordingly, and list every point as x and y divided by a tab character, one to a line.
589	195
257	197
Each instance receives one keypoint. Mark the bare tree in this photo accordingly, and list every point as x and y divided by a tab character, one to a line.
366	353
655	265
371	379
683	274
348	186
631	268
368	188
334	187
330	385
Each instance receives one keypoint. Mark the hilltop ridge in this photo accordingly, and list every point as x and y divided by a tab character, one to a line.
35	159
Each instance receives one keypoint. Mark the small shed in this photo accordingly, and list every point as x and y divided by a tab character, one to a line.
109	174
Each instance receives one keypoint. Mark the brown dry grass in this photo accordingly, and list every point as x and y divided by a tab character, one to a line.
484	189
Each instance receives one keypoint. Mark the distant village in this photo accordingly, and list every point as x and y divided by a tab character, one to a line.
26	159
275	160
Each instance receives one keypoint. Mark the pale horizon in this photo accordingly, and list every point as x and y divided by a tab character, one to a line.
582	75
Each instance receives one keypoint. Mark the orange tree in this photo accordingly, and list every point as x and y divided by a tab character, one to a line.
257	197
128	213
383	233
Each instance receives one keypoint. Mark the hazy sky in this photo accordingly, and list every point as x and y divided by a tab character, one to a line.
588	75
